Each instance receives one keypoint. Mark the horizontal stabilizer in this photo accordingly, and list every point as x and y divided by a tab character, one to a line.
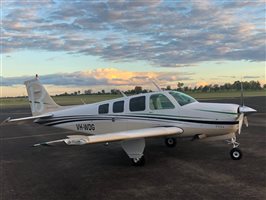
48	143
24	119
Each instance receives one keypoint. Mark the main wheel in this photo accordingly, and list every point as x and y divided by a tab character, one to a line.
138	161
236	154
170	142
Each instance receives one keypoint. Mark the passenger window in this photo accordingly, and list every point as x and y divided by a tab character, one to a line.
103	108
118	107
160	101
137	104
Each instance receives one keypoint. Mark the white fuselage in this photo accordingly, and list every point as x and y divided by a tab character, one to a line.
195	118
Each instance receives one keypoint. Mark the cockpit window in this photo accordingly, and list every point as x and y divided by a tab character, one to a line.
182	98
160	101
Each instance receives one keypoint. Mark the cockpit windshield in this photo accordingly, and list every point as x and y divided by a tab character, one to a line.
182	98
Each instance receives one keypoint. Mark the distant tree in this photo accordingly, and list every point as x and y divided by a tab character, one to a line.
227	86
215	87
138	89
254	85
206	88
145	91
236	85
89	91
186	88
168	87
199	88
103	91
264	86
114	91
180	85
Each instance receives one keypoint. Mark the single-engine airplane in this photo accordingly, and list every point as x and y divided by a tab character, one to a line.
132	119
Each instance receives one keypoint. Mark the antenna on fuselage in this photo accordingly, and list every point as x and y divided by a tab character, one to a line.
124	95
157	86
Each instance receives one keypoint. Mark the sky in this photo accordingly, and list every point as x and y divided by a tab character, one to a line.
78	45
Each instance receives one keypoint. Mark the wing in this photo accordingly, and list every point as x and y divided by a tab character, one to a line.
118	136
25	119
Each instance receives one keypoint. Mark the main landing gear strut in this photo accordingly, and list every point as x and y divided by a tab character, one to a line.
235	153
134	149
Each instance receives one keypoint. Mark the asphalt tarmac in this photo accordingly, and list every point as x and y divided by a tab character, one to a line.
192	170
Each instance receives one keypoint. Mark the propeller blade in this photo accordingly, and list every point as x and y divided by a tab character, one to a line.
240	119
242	95
246	121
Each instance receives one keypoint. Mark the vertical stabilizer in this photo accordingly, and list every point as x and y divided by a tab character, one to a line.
40	100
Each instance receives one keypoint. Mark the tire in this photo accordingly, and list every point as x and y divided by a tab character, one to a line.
236	154
138	162
170	142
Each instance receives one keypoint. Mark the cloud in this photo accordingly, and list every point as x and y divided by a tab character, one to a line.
224	76
162	33
67	79
252	77
102	77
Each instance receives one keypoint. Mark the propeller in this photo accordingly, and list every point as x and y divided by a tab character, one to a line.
243	110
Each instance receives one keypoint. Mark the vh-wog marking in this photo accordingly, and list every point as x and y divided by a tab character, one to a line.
85	127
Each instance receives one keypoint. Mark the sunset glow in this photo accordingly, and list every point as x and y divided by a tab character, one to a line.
105	44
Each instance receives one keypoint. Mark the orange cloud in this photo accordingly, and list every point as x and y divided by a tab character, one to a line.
122	77
202	83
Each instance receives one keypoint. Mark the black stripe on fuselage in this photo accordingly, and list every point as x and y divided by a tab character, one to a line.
68	119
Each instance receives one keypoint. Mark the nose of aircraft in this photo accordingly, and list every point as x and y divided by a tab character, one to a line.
246	110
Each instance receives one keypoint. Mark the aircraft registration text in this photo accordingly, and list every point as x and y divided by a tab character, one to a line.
85	127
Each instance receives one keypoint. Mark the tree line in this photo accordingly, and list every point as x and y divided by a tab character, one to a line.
236	86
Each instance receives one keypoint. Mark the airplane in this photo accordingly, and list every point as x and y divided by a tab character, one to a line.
165	114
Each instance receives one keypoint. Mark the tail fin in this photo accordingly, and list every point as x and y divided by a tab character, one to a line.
40	100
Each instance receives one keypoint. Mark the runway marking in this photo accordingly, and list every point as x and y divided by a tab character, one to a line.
40	135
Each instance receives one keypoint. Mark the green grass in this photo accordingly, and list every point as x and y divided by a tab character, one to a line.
61	100
230	94
75	100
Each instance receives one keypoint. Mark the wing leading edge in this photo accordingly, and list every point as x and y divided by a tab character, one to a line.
118	136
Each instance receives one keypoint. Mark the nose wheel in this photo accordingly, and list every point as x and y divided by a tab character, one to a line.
235	153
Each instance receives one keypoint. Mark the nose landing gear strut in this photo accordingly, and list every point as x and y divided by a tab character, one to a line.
235	153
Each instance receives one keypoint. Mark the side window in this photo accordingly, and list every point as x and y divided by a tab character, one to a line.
160	101
103	108
118	107
137	104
